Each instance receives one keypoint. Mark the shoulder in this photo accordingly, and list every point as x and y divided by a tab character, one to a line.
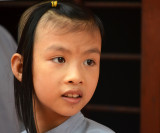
95	127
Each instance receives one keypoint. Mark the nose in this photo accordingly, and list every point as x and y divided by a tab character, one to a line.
74	76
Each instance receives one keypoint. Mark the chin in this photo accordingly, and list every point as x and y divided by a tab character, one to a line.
69	112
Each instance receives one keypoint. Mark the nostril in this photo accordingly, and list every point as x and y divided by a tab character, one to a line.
70	81
74	82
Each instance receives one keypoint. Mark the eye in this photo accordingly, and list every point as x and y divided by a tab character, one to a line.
58	60
89	62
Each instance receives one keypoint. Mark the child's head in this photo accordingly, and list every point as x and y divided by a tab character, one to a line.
56	66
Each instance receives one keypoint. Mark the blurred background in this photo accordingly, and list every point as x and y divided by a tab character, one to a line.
124	97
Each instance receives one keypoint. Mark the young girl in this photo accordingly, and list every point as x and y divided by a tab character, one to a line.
56	68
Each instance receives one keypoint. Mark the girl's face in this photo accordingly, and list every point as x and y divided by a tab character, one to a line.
65	70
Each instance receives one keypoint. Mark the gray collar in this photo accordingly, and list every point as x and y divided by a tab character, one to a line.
69	125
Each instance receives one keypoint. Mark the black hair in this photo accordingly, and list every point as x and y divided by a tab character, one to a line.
24	90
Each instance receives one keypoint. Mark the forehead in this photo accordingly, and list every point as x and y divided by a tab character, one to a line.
82	35
63	36
77	44
75	40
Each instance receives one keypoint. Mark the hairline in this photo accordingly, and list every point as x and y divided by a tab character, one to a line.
63	24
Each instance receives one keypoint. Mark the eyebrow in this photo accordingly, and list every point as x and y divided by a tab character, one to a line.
58	48
62	49
93	50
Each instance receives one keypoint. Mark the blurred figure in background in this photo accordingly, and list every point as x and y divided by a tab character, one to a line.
8	117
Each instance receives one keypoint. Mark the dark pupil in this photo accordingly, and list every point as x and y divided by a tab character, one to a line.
61	59
89	62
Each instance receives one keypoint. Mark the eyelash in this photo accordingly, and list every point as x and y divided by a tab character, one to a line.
60	60
90	61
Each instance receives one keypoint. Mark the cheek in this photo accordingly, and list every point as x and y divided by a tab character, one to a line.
45	89
92	81
41	90
42	80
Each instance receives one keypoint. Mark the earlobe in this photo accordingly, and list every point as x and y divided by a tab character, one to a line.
17	66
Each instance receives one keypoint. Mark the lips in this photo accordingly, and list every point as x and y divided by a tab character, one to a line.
72	96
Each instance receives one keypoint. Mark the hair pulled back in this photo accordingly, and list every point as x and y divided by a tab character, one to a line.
77	18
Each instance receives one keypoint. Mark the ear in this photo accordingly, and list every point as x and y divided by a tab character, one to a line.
17	66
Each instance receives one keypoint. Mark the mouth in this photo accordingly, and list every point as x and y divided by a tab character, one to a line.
72	96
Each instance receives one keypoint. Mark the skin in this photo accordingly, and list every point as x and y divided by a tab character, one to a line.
63	65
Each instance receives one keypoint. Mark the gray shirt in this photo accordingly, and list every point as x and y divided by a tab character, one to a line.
79	124
8	118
